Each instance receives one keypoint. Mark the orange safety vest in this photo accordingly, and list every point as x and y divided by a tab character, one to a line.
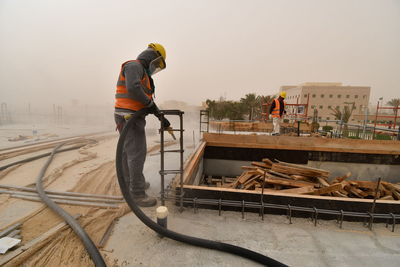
276	110
123	99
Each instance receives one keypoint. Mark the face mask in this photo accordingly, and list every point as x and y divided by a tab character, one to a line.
156	65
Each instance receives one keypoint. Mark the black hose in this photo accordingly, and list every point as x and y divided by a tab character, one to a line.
79	231
239	251
38	157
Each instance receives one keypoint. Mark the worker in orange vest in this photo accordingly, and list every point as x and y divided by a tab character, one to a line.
135	89
276	111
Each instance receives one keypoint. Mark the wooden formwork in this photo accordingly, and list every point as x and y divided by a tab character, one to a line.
351	149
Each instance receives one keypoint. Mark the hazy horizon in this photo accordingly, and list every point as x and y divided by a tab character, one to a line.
55	52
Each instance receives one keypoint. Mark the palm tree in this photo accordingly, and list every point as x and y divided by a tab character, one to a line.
344	115
250	102
395	102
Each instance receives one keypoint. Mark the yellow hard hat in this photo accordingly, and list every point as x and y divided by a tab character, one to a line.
159	48
283	94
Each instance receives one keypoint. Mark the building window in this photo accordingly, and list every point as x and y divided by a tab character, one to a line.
330	96
329	107
322	96
321	107
356	96
364	96
337	107
339	96
328	118
313	95
305	95
313	106
320	118
347	96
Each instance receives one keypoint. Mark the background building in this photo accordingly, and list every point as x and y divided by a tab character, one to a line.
324	96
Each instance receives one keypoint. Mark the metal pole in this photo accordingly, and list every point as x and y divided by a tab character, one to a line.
374	202
181	159
298	128
365	120
162	160
376	118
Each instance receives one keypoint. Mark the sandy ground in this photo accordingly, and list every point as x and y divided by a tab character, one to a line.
91	170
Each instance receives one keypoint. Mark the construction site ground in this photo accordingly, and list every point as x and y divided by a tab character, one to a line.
91	169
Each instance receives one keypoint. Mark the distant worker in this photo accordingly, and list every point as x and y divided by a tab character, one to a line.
276	111
135	89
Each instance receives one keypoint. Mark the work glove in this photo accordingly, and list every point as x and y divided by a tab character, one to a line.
165	123
153	109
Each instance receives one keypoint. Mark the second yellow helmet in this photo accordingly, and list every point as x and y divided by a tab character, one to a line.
283	94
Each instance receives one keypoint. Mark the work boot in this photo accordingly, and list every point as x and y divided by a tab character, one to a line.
143	200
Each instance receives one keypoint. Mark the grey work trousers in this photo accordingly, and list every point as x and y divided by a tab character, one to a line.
134	154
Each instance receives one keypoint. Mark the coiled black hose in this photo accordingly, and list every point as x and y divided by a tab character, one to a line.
239	251
79	231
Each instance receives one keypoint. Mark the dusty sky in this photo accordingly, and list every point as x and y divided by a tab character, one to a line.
56	51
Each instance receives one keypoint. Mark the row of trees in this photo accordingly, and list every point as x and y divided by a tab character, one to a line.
346	113
248	107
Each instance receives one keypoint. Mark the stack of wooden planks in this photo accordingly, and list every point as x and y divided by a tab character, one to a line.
283	177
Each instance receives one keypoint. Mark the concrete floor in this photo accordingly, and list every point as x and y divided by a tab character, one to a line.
297	244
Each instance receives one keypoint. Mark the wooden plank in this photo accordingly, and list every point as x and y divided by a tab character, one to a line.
311	169
387	198
280	174
29	189
193	163
248	167
355	191
277	193
305	144
267	161
50	233
365	184
260	165
71	202
341	178
107	200
300	190
338	194
300	177
328	189
323	181
9	229
297	171
249	185
286	182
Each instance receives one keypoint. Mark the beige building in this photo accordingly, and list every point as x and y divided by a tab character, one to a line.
324	96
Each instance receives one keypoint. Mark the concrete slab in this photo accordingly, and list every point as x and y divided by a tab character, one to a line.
297	244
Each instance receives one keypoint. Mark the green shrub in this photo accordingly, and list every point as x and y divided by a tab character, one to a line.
354	137
327	128
285	120
382	137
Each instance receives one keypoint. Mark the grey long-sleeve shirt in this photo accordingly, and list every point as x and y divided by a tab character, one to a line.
134	73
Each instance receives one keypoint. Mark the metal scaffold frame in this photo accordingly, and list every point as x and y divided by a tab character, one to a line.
164	172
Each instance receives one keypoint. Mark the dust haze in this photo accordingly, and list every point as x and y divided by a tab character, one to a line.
60	59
